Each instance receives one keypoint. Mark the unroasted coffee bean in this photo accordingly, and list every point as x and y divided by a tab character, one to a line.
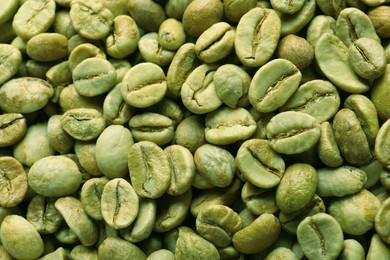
293	132
83	124
77	220
149	169
320	236
13	126
259	163
257	36
144	85
13	182
119	203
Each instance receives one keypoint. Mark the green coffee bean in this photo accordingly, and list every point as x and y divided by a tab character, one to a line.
291	221
83	124
258	200
112	148
297	50
320	25
149	169
216	196
215	43
115	109
90	19
382	144
234	9
90	197
93	77
359	218
377	249
318	98
59	76
293	23
228	125
59	140
122	41
320	237
232	85
367	58
259	163
25	95
257	36
172	212
353	24
84	253
169	108
198	92
63	24
351	138
7	33
281	253
8	9
161	254
43	215
201	15
374	170
201	182
287	7
13	184
152	127
86	155
379	17
182	64
381	221
34	145
10	61
293	132
13	127
380	95
116	248
216	164
20	238
147	14
121	67
190	245
182	169
267	93
37	69
66	235
119	203
34	17
366	113
151	51
171	34
82	52
141	89
47	47
331	55
259	235
76	218
218	224
142	226
296	188
190	133
175	9
54	176
70	99
340	181
352	249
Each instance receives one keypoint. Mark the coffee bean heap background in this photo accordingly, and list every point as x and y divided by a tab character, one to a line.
204	129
